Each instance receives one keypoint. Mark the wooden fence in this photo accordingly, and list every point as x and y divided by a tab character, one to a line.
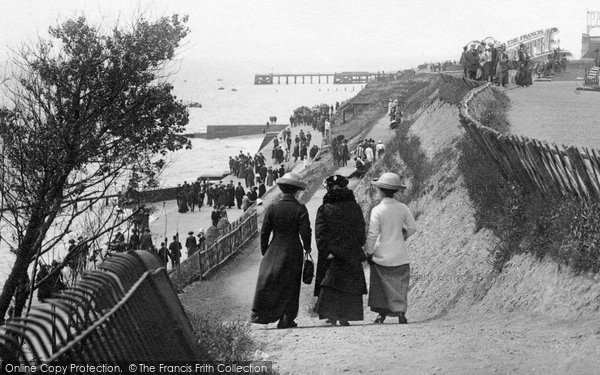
546	167
230	240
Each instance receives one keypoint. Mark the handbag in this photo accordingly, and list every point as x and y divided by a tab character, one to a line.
308	271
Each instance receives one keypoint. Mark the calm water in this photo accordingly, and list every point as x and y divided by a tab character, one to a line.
250	104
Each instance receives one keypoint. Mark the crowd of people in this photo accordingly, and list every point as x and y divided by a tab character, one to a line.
491	62
283	151
285	242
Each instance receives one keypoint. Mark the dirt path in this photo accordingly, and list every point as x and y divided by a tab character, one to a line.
456	344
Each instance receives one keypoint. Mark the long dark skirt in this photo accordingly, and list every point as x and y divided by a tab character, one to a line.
523	77
336	305
388	289
277	291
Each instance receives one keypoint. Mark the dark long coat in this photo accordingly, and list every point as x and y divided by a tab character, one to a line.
340	230
280	273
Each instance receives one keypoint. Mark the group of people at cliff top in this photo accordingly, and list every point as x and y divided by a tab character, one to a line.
343	245
443	66
486	62
555	64
491	62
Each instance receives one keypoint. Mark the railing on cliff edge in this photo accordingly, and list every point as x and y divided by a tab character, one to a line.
546	167
125	311
202	262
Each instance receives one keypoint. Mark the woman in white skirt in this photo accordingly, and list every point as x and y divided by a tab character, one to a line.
391	224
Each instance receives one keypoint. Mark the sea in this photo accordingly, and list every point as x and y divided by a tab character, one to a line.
238	102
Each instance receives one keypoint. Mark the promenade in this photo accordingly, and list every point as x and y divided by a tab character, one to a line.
166	221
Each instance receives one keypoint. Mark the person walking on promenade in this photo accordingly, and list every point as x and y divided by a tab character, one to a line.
340	235
190	244
344	153
391	224
163	254
175	252
262	189
201	239
270	176
146	240
209	195
134	240
215	215
239	194
278	284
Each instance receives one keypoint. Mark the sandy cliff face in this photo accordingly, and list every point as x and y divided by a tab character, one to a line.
451	266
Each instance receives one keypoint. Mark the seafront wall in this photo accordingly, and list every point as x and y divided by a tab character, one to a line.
228	131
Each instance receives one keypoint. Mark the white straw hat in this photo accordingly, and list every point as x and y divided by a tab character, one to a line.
293	179
390	181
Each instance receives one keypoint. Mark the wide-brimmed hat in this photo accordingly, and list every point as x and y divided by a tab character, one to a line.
190	233
390	181
291	178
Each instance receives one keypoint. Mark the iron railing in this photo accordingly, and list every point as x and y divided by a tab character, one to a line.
127	310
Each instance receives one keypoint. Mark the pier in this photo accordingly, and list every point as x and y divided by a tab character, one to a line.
318	78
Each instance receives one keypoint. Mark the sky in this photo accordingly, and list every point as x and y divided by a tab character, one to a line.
304	36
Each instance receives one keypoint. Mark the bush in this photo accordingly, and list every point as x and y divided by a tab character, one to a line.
453	93
563	229
224	341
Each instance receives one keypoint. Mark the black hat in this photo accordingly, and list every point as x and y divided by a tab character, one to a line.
190	233
336	180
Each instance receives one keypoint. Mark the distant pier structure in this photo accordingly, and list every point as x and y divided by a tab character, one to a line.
312	78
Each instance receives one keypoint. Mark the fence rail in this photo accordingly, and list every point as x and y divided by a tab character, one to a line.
202	262
127	310
546	167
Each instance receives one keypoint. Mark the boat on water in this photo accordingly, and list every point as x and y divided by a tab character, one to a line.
221	88
233	89
220	79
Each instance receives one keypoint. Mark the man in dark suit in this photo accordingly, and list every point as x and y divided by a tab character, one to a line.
239	194
215	216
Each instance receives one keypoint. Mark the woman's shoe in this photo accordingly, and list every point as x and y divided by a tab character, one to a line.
380	319
344	323
402	319
330	321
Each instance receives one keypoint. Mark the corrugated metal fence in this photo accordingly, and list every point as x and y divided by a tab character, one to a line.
127	310
546	167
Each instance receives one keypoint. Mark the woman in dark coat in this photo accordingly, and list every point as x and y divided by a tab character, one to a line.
278	285
340	235
523	77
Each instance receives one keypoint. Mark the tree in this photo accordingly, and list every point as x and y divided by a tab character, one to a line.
87	108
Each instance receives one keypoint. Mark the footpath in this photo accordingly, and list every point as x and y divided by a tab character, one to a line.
446	343
166	221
